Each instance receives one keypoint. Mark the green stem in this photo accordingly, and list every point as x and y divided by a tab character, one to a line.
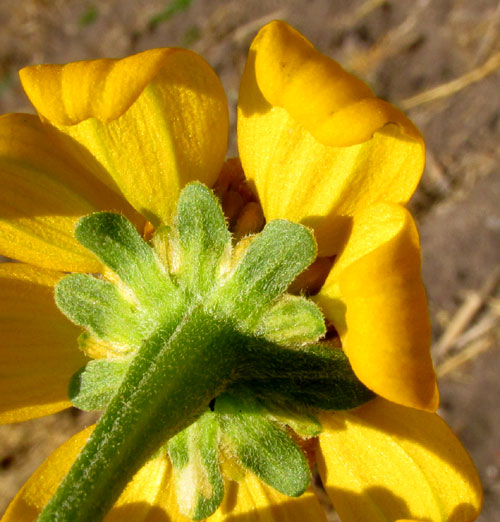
169	383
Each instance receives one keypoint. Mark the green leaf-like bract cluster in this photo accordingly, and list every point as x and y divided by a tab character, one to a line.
189	321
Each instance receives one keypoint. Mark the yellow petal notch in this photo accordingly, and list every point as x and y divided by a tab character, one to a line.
153	121
39	353
375	298
386	462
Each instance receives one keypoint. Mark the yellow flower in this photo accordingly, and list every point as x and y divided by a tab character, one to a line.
318	148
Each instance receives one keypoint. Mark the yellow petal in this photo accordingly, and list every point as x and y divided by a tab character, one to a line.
315	142
143	500
153	121
41	486
39	351
305	75
252	501
385	462
44	191
248	500
149	497
375	298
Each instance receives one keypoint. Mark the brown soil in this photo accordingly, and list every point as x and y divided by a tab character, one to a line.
402	48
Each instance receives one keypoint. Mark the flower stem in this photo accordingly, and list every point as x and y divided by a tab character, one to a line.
169	383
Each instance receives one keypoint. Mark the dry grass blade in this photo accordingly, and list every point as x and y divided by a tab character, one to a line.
478	330
390	44
244	31
447	89
489	36
351	19
465	314
467	354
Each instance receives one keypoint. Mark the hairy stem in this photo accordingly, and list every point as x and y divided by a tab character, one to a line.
169	383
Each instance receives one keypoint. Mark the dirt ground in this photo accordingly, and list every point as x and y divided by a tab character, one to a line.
436	59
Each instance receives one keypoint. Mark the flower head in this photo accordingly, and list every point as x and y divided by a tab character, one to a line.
317	149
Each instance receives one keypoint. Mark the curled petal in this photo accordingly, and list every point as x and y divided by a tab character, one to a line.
38	353
315	142
148	123
375	298
387	462
316	91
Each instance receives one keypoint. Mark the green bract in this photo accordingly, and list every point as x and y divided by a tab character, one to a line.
195	459
191	322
